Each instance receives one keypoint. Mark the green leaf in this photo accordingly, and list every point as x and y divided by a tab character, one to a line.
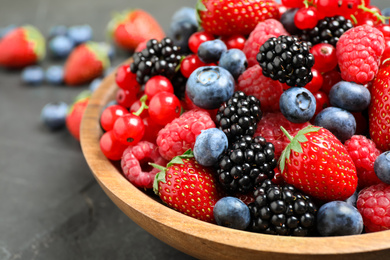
308	129
199	8
36	39
282	160
100	53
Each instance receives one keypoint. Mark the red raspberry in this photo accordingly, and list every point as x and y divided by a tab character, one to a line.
358	52
363	152
135	165
263	31
269	128
374	205
179	135
268	91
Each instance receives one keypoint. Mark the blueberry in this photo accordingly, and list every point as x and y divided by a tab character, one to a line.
211	51
352	200
53	115
185	14
349	96
382	167
234	60
386	12
208	87
338	218
232	212
209	146
55	75
338	121
6	30
80	33
298	105
95	84
33	75
183	25
287	19
58	30
60	46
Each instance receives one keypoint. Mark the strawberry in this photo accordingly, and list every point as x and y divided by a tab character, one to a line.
317	163
21	47
187	187
226	18
132	27
75	114
378	121
86	62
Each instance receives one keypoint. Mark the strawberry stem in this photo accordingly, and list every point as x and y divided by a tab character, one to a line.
363	7
143	105
286	133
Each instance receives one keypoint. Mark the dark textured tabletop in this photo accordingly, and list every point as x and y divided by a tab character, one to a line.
51	207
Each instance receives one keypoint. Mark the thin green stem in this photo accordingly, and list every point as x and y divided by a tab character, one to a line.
143	105
286	133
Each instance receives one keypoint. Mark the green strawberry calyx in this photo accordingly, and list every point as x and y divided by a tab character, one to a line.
160	176
100	52
117	19
295	143
83	96
34	36
200	7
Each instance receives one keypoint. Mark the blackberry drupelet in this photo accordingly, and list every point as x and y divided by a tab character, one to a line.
246	164
239	116
282	210
286	59
327	30
158	58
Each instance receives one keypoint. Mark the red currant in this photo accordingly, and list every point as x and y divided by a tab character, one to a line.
129	129
189	64
125	79
164	107
325	58
136	106
330	79
315	84
234	41
327	8
151	130
110	115
384	28
293	3
125	98
111	147
306	18
368	16
197	39
322	101
157	84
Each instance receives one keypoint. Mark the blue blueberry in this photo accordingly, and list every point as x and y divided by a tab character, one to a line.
338	218
60	46
298	105
55	75
95	84
6	30
232	212
209	146
53	115
80	33
349	96
338	121
352	200
382	167
386	12
33	75
183	25
208	87
234	60
211	51
287	19
58	30
185	14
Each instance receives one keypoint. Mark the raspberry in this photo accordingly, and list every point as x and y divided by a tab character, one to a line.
263	31
268	91
374	205
358	52
363	152
180	135
135	164
269	128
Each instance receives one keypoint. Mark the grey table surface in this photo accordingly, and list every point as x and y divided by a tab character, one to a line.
50	205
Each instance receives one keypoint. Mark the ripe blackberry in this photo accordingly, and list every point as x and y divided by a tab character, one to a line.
286	59
327	30
282	210
246	164
239	116
158	58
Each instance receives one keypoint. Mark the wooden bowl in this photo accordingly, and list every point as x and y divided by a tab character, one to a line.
200	239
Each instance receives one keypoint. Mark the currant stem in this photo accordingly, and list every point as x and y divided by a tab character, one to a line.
286	133
363	7
386	60
143	105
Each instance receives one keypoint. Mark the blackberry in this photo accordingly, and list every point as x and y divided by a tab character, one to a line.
327	30
239	116
158	58
246	164
286	59
282	210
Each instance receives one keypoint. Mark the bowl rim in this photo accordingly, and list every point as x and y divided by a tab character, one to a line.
159	219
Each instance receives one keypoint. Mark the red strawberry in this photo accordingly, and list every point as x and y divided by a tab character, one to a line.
317	163
75	114
86	62
379	123
22	47
132	27
225	17
187	187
